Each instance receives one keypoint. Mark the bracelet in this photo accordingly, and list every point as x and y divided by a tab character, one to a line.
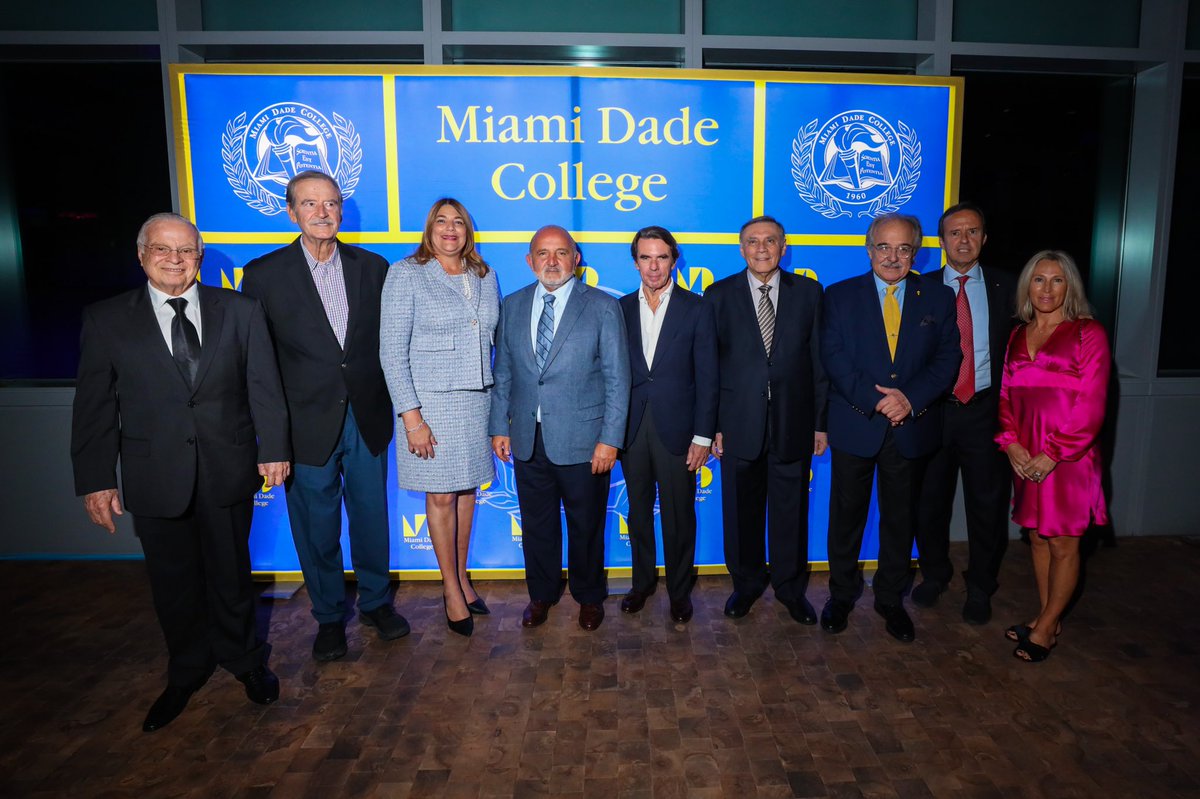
415	429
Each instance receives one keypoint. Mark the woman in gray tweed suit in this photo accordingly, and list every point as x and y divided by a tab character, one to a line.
438	321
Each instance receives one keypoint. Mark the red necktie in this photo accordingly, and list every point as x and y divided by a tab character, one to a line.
964	387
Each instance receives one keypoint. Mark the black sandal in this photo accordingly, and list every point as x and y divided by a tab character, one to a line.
1018	632
1030	652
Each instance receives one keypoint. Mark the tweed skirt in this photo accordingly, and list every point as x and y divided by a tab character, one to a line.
463	456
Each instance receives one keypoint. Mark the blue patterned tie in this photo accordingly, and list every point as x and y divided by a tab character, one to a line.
545	331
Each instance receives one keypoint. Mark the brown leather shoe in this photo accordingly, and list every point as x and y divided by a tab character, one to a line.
634	601
681	610
590	615
535	613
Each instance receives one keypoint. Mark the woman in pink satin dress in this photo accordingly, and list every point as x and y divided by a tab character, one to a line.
1052	402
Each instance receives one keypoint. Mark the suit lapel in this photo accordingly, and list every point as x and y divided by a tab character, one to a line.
670	325
522	314
212	315
749	311
633	328
352	275
145	332
579	298
873	322
438	275
910	315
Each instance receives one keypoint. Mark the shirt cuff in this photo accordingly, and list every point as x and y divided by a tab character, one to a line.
701	441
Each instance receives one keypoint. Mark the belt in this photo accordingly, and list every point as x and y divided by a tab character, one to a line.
978	396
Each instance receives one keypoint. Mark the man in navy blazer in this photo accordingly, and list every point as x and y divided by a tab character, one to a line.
770	419
672	418
322	301
889	343
177	381
559	405
971	416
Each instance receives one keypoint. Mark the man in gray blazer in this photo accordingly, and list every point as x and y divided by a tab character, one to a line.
558	414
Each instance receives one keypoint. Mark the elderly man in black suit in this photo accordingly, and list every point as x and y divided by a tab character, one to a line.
770	419
178	380
322	301
984	302
672	418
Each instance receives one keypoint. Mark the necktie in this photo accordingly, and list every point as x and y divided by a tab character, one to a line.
545	331
891	319
766	318
964	387
185	341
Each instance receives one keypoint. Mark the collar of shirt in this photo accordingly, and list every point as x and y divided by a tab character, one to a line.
662	298
313	263
561	295
881	287
164	314
950	275
754	282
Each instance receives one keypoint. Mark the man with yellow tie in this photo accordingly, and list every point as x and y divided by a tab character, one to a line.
890	348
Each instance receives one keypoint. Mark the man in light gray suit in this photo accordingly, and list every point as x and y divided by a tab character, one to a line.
558	414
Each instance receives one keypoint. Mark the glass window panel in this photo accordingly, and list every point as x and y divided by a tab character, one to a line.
1179	344
311	15
847	19
81	15
612	16
1097	23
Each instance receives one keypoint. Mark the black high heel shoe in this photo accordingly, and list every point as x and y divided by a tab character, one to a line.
463	626
478	607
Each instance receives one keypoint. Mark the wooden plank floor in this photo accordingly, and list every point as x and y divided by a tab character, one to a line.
640	708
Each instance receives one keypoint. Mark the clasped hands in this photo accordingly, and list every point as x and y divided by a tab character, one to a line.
1028	467
894	405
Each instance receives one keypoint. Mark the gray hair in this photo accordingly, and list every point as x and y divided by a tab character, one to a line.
913	223
289	194
167	216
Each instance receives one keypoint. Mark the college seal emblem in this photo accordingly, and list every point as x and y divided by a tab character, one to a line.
856	163
263	152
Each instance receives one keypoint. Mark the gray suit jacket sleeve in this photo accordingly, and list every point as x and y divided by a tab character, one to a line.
614	363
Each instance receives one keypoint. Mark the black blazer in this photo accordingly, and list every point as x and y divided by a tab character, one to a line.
1001	297
797	381
319	377
132	400
680	388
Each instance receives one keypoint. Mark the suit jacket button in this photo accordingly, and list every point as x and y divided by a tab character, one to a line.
343	366
191	442
895	377
541	382
341	402
474	322
191	403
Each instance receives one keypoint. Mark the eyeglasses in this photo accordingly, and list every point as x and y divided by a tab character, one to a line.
162	251
904	252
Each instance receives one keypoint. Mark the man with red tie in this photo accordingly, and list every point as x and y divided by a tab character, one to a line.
985	314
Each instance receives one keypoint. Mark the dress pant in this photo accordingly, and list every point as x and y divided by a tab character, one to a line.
646	463
769	493
968	446
542	488
314	501
199	568
849	501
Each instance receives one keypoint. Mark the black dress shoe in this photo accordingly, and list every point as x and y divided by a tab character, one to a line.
681	610
926	594
262	686
634	601
801	610
591	614
835	616
899	625
536	613
387	622
330	643
978	607
739	604
169	704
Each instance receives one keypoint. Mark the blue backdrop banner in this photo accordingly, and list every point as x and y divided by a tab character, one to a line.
600	152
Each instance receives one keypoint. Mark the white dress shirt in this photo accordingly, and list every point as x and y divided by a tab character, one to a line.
164	314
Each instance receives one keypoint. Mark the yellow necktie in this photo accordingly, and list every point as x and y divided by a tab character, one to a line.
891	319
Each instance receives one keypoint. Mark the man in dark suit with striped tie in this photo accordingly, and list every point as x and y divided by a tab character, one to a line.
770	419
